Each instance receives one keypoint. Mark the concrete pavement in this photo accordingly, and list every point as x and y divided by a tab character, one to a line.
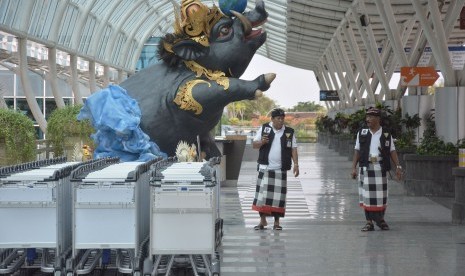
321	234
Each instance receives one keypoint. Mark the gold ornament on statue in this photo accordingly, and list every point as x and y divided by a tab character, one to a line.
217	76
186	153
185	100
196	20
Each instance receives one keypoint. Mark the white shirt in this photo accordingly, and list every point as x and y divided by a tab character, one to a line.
375	142
274	157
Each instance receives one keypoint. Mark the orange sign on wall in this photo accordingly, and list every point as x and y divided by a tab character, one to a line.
418	76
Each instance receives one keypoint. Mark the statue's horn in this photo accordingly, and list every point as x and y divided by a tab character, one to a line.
245	22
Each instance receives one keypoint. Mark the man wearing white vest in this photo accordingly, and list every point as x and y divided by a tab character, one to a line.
374	149
277	151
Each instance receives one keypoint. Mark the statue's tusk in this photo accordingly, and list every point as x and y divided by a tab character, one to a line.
269	77
258	93
245	22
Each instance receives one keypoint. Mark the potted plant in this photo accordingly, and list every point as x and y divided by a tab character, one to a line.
429	170
66	134
343	138
406	142
326	127
17	138
357	122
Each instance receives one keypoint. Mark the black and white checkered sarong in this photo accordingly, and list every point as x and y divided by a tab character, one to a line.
270	192
372	188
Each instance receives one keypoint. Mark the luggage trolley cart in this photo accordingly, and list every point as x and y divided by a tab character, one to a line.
110	218
35	203
183	218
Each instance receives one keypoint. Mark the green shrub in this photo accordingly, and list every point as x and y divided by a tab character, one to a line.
17	132
407	138
356	121
63	124
325	124
431	144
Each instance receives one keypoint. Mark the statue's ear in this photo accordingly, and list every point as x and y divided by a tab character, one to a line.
189	49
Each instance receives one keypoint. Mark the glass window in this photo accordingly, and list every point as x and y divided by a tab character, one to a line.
87	34
10	102
50	106
68	24
101	8
63	87
6	83
68	101
39	133
148	56
36	84
21	105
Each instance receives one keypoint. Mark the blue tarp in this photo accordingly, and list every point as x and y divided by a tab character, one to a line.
116	117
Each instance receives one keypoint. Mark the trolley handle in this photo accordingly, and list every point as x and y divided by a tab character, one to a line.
65	171
133	176
82	171
159	166
7	171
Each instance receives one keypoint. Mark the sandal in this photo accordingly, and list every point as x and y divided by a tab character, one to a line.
383	225
277	227
259	227
368	227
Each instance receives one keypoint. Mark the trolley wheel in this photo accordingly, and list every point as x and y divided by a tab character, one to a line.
69	274
57	273
137	273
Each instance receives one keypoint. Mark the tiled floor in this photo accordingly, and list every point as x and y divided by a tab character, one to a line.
321	234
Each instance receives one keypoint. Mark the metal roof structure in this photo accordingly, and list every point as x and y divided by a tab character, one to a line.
353	47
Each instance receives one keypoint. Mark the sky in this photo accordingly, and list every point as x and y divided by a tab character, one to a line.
292	85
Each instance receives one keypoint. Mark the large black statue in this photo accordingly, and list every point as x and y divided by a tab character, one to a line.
184	96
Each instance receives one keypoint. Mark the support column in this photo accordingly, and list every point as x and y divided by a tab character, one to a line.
337	68
389	23
106	75
349	35
334	80
323	86
92	82
329	85
440	49
75	79
372	48
346	62
30	98
121	76
52	77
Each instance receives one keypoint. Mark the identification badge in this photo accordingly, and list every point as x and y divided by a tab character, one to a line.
387	143
365	131
267	130
289	144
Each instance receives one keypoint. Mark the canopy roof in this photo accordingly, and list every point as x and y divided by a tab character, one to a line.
326	36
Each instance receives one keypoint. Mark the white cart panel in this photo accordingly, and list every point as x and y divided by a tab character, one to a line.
105	228
28	227
105	195
187	233
26	194
175	198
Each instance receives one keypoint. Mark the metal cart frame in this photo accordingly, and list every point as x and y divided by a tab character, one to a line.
185	228
110	217
35	200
